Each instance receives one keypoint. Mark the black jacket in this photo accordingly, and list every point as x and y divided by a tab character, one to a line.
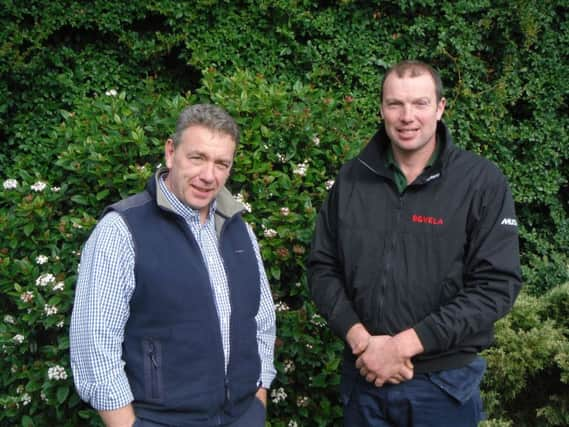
442	257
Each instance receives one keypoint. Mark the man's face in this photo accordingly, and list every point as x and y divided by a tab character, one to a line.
199	166
410	112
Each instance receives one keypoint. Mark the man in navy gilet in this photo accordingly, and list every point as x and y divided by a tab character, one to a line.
173	322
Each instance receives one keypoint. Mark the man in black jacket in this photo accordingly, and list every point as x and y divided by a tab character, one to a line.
414	257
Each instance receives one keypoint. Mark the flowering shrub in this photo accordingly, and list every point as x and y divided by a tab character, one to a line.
38	267
89	92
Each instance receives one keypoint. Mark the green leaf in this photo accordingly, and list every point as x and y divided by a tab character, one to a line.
62	393
102	194
29	228
85	414
79	199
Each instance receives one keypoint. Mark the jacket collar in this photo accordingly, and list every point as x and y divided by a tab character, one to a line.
225	207
374	154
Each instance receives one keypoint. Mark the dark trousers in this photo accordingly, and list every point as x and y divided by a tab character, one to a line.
253	417
446	399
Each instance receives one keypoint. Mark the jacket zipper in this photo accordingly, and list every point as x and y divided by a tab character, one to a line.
226	380
153	371
388	264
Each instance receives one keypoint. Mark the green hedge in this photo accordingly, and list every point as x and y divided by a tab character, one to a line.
90	90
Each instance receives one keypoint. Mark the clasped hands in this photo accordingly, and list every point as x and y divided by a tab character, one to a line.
380	358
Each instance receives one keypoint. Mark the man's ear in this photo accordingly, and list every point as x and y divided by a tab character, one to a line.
169	149
441	108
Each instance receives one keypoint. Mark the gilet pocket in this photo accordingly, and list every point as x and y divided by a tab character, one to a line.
152	369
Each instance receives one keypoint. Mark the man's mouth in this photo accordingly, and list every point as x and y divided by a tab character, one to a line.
407	132
202	190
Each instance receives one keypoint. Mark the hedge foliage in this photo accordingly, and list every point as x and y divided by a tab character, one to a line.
89	91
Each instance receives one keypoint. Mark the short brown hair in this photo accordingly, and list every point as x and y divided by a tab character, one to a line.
413	68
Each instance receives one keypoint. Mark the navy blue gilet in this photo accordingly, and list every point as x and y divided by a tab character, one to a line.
172	348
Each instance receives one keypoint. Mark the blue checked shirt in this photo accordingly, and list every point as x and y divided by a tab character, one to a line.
105	286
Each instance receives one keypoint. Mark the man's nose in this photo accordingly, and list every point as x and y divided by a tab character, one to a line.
407	113
207	172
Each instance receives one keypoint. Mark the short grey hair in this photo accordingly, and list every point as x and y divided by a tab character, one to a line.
209	116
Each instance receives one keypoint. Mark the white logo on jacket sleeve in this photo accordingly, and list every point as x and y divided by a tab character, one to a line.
509	221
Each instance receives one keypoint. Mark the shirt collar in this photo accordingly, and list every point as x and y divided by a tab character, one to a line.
185	211
390	159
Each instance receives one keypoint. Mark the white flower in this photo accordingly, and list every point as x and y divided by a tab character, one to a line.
9	319
27	296
38	186
10	184
302	401
270	233
111	92
57	373
278	395
281	306
18	339
285	211
55	189
45	279
41	259
14	369
289	366
26	399
50	310
43	396
292	423
317	320
239	197
59	286
59	324
329	184
159	165
301	168
309	346
316	140
281	157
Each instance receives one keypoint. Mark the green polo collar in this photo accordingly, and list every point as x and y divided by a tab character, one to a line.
398	175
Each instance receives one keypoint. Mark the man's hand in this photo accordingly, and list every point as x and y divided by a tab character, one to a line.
382	360
388	359
398	379
358	338
262	396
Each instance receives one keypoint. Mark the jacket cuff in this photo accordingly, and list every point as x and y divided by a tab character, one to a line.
427	336
344	322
